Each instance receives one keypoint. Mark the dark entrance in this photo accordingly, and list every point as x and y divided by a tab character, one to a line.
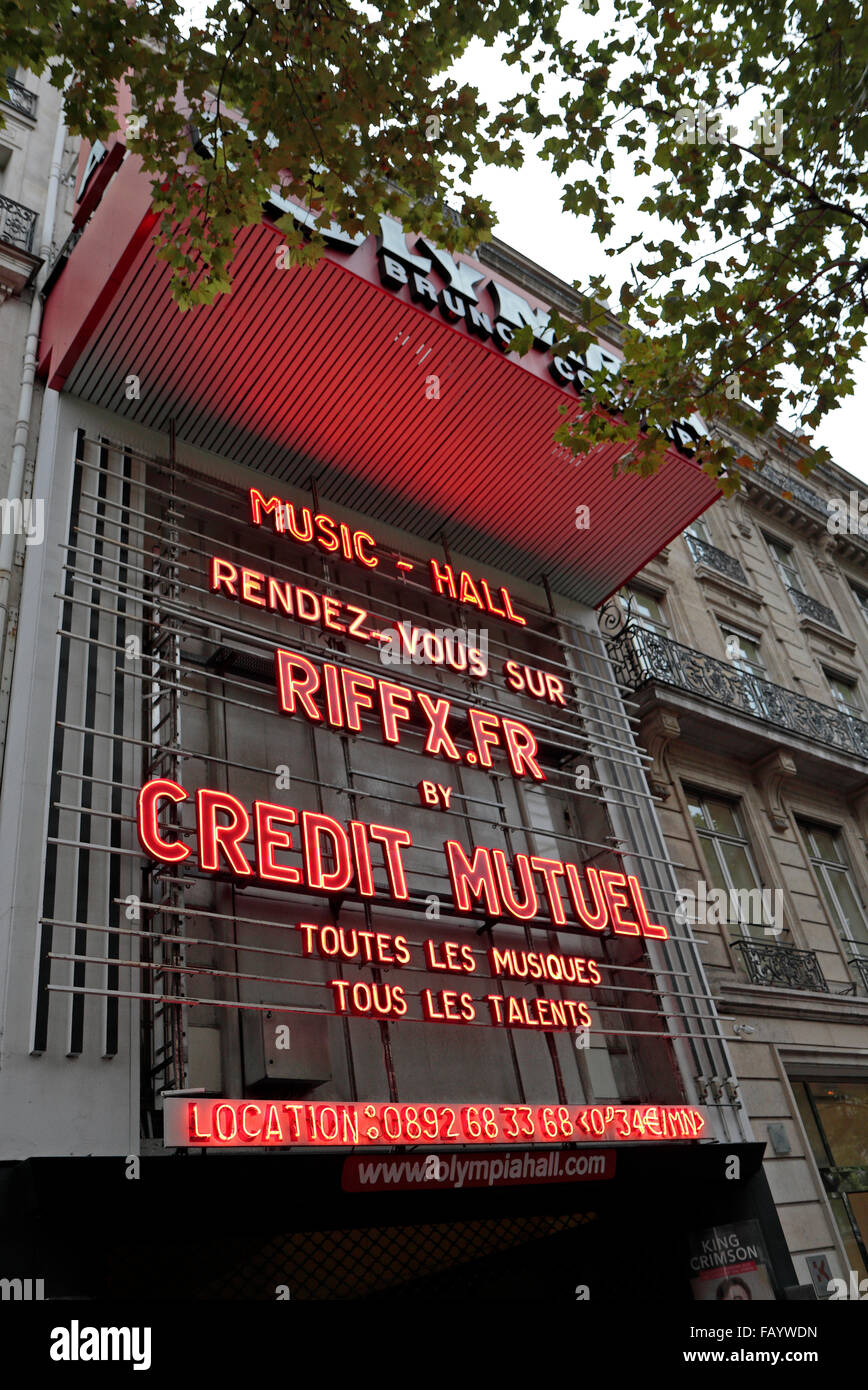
249	1227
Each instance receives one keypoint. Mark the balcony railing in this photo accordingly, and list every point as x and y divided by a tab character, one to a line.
20	98
705	553
803	494
16	224
640	656
859	967
812	608
781	965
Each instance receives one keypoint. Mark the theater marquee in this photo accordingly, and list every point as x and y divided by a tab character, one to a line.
313	853
230	1124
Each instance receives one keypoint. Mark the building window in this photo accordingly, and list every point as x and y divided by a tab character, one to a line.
697	532
845	692
645	610
699	529
787	565
835	877
742	650
730	865
861	597
835	1117
744	653
788	569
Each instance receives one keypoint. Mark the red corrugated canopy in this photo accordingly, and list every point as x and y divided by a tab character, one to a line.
324	372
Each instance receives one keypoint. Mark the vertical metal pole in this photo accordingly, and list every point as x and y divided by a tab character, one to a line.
169	1062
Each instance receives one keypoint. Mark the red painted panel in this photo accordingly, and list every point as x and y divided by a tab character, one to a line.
320	371
85	289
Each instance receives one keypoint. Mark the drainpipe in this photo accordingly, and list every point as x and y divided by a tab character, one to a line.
15	487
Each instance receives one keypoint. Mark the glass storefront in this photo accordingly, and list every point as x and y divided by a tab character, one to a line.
835	1116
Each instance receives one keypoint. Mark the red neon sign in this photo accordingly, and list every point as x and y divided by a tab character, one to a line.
307	527
348	693
482	884
289	600
301	524
147	809
223	826
344	1124
221	842
461	588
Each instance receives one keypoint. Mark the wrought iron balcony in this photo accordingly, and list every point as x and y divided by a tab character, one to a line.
16	224
706	554
767	964
812	608
803	494
859	967
640	656
20	98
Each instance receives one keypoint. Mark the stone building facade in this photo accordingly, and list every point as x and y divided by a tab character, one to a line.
742	653
38	166
747	651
